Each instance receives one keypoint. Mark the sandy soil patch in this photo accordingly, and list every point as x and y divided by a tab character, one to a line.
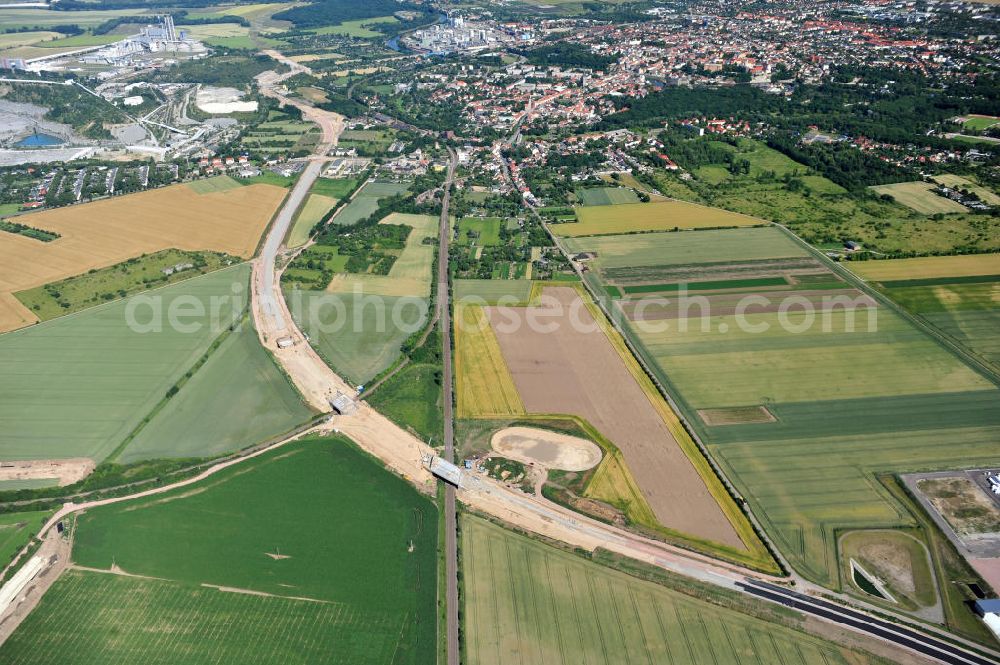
106	232
964	505
222	100
545	448
68	471
576	370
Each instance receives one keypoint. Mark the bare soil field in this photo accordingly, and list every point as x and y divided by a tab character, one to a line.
68	471
103	233
574	369
551	450
963	504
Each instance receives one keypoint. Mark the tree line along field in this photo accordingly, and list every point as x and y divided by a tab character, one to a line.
653	216
110	231
845	407
959	296
80	385
262	562
528	602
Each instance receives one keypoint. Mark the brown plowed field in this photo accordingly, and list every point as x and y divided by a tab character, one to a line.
579	372
103	233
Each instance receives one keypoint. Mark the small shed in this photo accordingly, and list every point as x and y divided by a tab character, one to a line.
285	342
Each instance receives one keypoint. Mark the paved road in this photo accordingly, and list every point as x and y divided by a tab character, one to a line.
911	639
444	321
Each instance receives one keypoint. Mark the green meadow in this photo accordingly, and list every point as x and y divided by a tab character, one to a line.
311	552
528	602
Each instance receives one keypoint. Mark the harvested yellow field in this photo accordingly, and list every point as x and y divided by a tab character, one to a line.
927	267
100	234
485	387
653	216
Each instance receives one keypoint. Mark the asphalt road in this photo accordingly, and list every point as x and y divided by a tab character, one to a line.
890	632
444	320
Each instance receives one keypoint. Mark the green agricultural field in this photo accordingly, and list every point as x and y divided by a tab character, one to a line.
356	28
479	231
528	602
42	17
959	296
77	386
490	291
920	197
847	405
238	398
647	249
168	623
222	183
13	39
603	196
118	281
277	527
16	529
81	41
358	337
316	206
365	202
413	397
980	122
27	484
336	188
